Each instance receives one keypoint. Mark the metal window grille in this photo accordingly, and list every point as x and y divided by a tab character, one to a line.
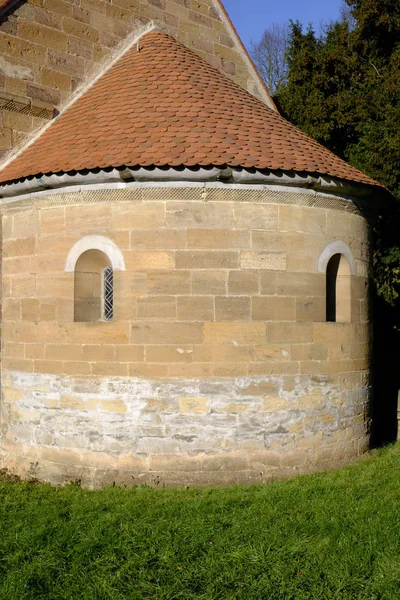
108	278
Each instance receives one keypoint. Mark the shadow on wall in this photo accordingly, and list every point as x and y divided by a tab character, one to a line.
386	374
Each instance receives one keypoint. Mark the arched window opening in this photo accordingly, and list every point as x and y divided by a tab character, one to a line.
338	289
93	287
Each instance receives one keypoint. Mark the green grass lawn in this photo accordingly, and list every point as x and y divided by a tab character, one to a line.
331	535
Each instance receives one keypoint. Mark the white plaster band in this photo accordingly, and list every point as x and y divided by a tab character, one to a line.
95	242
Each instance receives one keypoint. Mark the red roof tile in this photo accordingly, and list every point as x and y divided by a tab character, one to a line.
164	105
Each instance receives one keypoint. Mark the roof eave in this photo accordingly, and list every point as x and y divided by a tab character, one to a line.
11	191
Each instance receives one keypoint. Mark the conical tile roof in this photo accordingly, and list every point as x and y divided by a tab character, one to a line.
163	105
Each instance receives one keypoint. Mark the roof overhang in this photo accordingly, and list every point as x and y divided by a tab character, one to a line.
225	176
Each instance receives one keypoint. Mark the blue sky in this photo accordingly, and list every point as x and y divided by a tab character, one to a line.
251	17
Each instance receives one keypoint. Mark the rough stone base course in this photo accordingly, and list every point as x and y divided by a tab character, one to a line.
180	432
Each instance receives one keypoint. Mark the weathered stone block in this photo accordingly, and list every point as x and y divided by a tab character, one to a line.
30	309
310	309
302	219
272	403
209	282
256	216
233	308
217	354
45	36
193	215
313	401
22	286
157	307
309	352
128	353
114	406
273	308
218	239
234	333
231	369
34	351
290	332
201	259
166	333
167	282
88	218
146	215
190	370
19	247
274	352
169	354
60	7
195	308
243	283
273	261
194	405
160	239
334	333
55	79
72	403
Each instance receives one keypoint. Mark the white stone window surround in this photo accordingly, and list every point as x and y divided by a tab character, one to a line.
95	242
336	247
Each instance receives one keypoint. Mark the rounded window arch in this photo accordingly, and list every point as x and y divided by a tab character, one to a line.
93	260
337	262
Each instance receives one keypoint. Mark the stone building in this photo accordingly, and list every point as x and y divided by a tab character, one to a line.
184	273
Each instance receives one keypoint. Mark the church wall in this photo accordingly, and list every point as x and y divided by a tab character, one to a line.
49	47
219	366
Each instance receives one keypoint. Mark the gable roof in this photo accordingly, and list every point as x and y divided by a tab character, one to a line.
165	106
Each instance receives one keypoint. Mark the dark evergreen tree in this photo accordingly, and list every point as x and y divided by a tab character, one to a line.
343	89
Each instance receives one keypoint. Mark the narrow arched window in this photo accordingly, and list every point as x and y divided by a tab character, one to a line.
93	260
93	287
338	289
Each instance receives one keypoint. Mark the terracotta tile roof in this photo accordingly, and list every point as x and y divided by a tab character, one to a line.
165	106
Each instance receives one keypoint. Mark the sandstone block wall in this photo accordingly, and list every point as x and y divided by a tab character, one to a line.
49	47
219	365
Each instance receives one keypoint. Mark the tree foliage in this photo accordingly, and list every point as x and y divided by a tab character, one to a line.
343	89
269	55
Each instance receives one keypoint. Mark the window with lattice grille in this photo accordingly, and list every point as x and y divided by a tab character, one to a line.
93	287
108	291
